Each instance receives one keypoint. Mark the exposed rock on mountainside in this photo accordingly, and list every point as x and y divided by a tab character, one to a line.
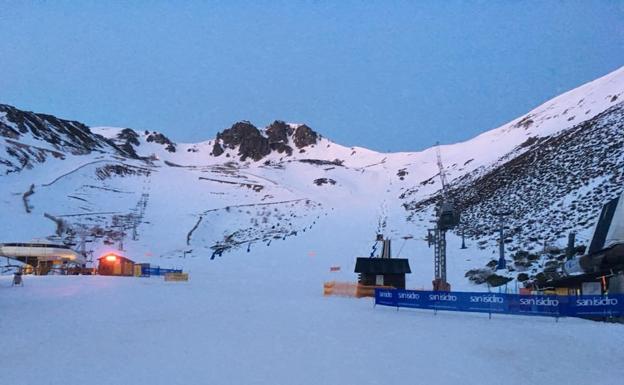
127	139
121	170
31	138
130	136
248	139
304	136
278	133
556	185
322	181
251	143
159	138
217	150
64	135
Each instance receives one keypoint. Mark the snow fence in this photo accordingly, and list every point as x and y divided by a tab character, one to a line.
588	306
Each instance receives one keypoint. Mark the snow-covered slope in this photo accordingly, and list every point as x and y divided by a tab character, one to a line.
250	188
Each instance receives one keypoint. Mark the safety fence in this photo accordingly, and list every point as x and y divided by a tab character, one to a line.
587	306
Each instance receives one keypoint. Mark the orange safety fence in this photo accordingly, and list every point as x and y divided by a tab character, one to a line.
350	289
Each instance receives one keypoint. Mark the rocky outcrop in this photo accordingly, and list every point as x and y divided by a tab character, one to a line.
31	138
129	136
217	150
126	140
249	140
304	136
278	133
64	135
253	144
159	138
322	181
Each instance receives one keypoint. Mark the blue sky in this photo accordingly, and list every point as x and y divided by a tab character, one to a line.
391	76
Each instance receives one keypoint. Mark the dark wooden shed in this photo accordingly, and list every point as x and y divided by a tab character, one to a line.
112	264
382	271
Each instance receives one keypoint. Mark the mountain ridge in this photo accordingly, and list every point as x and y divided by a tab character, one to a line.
250	186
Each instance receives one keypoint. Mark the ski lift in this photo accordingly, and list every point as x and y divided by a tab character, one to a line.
448	216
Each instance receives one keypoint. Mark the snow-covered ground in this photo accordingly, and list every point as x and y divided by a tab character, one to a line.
261	318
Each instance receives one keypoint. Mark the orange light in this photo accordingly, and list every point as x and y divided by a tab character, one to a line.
111	258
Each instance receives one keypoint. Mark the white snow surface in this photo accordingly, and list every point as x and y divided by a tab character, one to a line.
261	318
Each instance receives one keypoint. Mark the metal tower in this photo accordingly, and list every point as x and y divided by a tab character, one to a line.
447	218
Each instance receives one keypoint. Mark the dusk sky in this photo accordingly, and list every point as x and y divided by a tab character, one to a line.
390	76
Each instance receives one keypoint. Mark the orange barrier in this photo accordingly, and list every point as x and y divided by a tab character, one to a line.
350	289
176	277
369	291
344	289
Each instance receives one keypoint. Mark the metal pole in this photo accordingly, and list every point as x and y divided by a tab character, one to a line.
463	246
443	255
502	264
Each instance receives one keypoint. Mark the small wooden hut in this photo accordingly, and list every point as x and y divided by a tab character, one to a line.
382	271
117	265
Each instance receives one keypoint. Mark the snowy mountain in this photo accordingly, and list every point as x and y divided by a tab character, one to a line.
551	170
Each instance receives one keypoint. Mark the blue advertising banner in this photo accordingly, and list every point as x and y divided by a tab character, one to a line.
147	270
545	305
596	305
540	305
385	297
485	302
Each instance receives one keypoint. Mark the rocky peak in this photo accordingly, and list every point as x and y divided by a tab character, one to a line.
304	136
249	140
252	143
159	138
278	133
129	136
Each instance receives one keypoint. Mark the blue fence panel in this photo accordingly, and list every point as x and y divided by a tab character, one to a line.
157	270
386	297
544	305
485	302
442	300
405	298
540	305
595	306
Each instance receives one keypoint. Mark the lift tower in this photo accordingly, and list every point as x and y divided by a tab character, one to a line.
447	219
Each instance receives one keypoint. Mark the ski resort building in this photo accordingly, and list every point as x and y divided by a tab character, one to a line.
601	269
41	258
112	264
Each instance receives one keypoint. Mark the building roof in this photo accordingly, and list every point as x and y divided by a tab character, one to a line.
382	266
609	230
119	257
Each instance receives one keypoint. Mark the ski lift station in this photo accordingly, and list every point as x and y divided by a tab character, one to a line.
42	257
